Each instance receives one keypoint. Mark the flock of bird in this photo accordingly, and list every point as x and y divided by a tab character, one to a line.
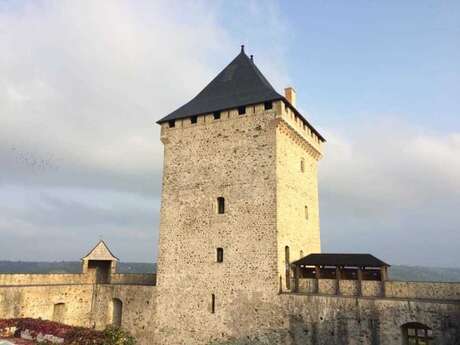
34	161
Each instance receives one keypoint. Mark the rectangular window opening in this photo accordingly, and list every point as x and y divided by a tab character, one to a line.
268	105
241	110
194	119
216	115
306	212
220	255
172	123
220	205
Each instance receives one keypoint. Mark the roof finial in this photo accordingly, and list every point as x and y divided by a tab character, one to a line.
242	48
252	58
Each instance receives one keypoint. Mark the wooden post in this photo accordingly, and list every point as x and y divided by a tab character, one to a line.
337	280
360	281
383	278
317	276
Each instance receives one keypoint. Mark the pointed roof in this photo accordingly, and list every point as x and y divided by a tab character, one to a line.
100	252
240	83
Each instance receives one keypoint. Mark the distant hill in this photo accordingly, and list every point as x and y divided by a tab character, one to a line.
68	267
420	273
409	273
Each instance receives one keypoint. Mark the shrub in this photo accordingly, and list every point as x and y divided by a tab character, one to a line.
118	336
71	335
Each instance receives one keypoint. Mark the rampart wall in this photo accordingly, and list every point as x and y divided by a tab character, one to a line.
388	289
133	278
84	303
38	301
308	319
45	279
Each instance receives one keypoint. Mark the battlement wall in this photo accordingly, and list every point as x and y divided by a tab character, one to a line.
14	279
134	278
431	290
299	126
282	111
206	119
387	289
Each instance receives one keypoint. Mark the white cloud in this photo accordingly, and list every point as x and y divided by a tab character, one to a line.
391	188
81	86
82	83
85	81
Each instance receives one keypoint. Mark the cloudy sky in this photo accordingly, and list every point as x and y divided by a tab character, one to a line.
82	83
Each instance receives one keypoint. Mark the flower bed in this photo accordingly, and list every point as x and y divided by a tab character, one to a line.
50	332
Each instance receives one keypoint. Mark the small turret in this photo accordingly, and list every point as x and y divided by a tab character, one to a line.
101	262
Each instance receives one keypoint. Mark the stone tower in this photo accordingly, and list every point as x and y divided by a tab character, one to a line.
239	201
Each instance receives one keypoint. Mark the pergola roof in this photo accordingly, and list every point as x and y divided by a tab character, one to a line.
344	260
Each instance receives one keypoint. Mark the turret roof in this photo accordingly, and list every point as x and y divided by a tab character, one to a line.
100	252
240	83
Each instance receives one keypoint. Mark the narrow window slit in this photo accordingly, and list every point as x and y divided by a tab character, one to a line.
220	205
213	304
220	255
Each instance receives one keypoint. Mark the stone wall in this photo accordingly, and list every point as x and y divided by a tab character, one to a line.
298	319
430	290
290	319
253	160
393	289
38	302
85	304
48	279
349	288
370	288
327	286
231	157
297	153
323	320
133	278
138	309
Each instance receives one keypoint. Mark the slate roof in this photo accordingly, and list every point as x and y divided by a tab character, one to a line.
239	84
349	260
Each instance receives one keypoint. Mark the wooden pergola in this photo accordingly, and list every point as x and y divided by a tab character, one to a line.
340	266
